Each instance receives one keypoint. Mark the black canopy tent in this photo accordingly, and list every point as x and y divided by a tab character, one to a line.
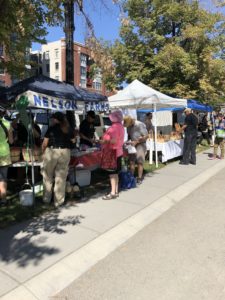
46	93
42	92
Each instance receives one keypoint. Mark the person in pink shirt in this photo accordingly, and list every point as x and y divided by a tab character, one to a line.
114	139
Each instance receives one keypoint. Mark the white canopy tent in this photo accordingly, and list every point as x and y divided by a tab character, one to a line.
138	95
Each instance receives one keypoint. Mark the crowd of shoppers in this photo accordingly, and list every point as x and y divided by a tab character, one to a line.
60	138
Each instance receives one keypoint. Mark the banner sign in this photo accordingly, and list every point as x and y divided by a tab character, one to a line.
95	106
37	100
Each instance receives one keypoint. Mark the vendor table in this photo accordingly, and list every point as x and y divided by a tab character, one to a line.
24	164
89	159
170	149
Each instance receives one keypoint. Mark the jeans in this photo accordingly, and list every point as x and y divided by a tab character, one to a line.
189	151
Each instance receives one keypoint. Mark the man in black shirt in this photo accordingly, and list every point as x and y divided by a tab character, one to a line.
87	130
56	149
190	129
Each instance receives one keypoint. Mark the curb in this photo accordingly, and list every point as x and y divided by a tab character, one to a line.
57	277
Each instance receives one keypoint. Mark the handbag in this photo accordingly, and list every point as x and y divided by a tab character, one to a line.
127	180
109	159
131	149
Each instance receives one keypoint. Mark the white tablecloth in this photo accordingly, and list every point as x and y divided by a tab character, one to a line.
170	149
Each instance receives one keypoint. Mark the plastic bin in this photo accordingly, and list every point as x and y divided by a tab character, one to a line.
26	197
83	177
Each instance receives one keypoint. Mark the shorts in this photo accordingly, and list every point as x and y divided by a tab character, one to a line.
119	167
139	157
4	174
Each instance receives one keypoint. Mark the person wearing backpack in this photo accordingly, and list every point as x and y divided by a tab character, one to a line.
220	135
6	137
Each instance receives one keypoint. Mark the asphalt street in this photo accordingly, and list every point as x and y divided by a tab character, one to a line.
180	256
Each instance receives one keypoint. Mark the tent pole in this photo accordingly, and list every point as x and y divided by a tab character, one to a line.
155	138
32	155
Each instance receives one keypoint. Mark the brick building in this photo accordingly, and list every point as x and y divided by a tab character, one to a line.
50	61
53	64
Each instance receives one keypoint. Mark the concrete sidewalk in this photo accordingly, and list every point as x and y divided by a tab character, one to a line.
41	257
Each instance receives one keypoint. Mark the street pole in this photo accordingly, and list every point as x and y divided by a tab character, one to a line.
69	31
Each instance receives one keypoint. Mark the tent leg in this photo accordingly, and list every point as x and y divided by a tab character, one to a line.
32	157
155	138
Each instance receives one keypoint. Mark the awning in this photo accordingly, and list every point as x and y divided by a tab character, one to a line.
196	105
138	95
47	93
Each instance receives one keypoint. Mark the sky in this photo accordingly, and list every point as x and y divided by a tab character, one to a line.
105	19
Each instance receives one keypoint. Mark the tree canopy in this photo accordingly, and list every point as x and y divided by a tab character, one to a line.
21	23
25	21
174	46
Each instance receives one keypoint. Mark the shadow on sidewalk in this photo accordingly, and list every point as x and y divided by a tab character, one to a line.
22	243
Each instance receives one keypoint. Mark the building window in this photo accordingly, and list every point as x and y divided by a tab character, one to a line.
56	66
1	50
83	83
97	86
56	77
83	72
83	60
56	53
47	55
47	68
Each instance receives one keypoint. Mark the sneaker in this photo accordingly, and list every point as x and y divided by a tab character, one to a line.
139	181
212	158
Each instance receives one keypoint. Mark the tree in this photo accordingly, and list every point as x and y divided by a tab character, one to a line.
25	21
21	23
175	46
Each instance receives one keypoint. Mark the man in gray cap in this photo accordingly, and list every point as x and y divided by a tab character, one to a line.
190	139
